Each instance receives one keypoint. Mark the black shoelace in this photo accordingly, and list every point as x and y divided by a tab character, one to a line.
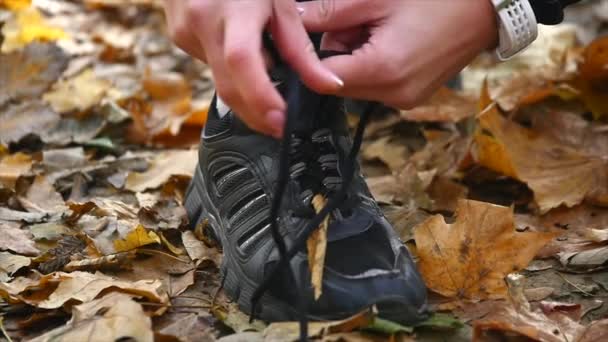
340	188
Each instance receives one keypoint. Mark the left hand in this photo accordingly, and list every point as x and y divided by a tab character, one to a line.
402	50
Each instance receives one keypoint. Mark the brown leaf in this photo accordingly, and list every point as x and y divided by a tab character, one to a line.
20	120
56	289
113	317
27	73
557	174
516	317
16	240
41	197
596	331
289	331
445	105
11	263
164	166
316	246
593	77
197	251
470	258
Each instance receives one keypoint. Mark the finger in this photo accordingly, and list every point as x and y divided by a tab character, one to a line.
245	62
332	15
295	47
345	41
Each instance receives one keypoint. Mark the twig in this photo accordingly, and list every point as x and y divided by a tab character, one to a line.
575	286
177	306
152	251
3	330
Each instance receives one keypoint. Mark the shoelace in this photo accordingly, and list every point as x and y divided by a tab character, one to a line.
286	255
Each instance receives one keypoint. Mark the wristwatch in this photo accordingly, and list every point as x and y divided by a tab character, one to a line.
517	26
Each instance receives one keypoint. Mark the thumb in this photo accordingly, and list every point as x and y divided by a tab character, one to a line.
334	15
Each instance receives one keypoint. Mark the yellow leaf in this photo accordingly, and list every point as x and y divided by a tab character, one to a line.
13	166
135	239
470	258
317	245
28	26
15	5
79	93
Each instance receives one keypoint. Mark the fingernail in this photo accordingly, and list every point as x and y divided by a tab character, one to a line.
276	118
336	79
300	10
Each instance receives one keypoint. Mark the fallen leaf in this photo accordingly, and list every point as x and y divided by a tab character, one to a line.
197	251
113	317
43	198
54	290
316	246
14	166
470	258
78	93
591	258
11	263
135	239
556	173
107	262
16	240
445	105
27	73
164	166
190	327
516	317
596	331
592	78
290	331
28	26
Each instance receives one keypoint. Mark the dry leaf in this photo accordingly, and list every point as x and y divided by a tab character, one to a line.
593	77
16	240
197	251
556	173
26	74
78	93
110	318
14	166
445	105
11	263
516	317
164	166
137	238
41	197
290	331
113	261
28	26
56	289
470	258
316	246
596	331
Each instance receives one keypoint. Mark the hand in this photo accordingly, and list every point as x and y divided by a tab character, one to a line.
402	50
227	34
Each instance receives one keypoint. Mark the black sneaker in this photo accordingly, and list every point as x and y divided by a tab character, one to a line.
239	175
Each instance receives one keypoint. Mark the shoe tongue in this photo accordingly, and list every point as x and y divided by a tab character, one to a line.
357	223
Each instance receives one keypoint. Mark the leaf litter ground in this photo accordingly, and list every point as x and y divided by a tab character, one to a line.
499	190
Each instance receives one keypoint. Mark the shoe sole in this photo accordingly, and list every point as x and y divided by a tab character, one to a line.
240	288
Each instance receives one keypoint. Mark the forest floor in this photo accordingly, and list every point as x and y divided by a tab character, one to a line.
500	190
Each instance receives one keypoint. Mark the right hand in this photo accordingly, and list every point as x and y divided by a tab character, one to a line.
227	35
